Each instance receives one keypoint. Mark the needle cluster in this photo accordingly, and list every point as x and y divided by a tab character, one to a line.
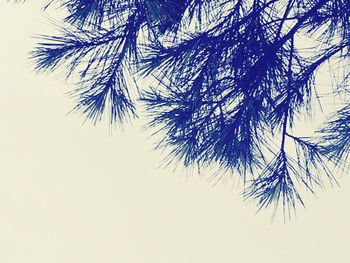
231	80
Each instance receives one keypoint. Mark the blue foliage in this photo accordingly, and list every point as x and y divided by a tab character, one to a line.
232	81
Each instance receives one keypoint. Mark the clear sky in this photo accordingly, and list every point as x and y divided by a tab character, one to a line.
73	193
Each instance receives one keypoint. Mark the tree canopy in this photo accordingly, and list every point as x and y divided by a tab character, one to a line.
231	80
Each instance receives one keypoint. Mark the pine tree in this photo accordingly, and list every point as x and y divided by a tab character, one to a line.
231	79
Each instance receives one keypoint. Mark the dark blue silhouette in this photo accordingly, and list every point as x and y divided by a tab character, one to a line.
231	79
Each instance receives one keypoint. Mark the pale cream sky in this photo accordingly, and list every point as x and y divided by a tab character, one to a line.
76	194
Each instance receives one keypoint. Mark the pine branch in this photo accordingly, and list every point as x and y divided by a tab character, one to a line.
230	82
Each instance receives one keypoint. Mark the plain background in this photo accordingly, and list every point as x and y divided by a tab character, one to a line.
73	193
